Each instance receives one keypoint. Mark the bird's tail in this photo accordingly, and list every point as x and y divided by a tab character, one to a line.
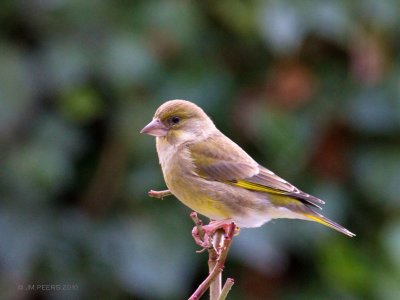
316	217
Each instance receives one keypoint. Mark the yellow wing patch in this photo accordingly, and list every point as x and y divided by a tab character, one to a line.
288	197
257	187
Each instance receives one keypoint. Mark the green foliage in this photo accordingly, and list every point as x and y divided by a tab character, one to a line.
309	88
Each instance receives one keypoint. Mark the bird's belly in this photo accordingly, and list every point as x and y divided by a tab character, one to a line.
199	198
218	201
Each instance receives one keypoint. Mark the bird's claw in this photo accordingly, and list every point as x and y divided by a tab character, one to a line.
209	230
204	242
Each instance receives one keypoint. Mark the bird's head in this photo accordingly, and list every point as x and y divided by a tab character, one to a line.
179	121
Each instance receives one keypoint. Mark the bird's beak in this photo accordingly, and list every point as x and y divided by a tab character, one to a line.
155	128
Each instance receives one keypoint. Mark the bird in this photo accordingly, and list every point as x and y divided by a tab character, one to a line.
215	177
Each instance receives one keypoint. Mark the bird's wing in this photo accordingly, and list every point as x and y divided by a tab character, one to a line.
220	159
267	181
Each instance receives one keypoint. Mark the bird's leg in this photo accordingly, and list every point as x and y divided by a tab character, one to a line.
159	194
209	231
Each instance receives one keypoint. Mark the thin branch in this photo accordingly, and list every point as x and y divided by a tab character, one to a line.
227	287
159	194
219	266
215	286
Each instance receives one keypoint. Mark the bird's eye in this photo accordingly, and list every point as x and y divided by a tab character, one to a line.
175	120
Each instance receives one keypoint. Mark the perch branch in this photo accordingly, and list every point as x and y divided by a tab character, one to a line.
217	258
215	286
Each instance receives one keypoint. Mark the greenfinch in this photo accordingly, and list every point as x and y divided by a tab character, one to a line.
213	176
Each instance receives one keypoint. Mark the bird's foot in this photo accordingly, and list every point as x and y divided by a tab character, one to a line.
159	194
204	241
209	230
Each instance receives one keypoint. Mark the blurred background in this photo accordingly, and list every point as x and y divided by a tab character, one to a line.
311	89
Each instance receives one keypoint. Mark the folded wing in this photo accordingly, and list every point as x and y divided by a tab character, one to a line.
220	159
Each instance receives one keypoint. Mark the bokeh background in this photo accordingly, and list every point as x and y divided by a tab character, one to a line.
309	88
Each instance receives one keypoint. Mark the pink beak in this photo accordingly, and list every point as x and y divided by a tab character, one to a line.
155	128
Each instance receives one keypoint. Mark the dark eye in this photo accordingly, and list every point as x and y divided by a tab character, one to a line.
175	120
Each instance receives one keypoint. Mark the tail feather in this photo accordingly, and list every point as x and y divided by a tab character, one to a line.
327	222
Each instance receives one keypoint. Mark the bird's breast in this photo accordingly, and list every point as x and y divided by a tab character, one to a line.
181	178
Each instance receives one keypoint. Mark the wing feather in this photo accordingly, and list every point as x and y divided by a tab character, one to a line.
220	159
268	179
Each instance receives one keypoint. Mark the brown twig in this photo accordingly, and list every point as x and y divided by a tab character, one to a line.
219	262
216	284
227	287
159	194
